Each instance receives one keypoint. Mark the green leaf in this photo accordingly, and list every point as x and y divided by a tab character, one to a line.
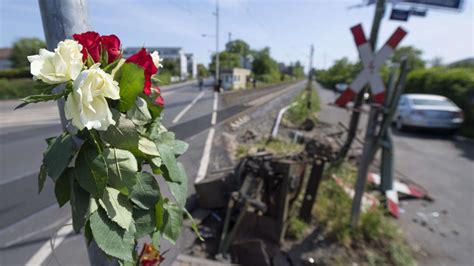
139	113
79	206
193	224
155	110
146	192
62	188
155	129
155	239
122	167
39	98
131	84
147	147
88	233
123	135
159	213
179	190
110	238
155	164
180	147
165	145
172	222
91	171
117	206
41	178
58	155
144	221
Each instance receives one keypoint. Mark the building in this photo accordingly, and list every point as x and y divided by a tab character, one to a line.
5	61
235	78
192	66
167	53
246	61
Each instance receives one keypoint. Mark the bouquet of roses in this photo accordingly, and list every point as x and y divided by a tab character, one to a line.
114	130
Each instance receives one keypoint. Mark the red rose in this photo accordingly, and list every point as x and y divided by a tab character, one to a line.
143	59
111	44
160	101
90	42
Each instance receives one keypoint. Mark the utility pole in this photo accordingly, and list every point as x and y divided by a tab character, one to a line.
62	19
217	42
354	122
228	49
310	77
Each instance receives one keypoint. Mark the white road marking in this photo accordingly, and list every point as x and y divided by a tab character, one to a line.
214	118
180	115
206	154
168	93
44	252
214	106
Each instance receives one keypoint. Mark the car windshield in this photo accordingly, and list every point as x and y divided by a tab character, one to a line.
432	102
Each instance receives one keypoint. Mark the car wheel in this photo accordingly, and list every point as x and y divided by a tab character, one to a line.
399	124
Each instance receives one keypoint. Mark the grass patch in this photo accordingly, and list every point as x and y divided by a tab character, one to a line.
17	88
300	112
377	240
296	228
277	147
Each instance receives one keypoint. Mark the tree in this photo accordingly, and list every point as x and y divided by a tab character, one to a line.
238	47
23	48
227	60
413	55
343	71
202	71
264	66
171	66
297	70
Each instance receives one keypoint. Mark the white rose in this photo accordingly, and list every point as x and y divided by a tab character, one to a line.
63	65
156	59
86	106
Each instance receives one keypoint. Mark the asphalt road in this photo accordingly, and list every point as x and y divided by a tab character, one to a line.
442	230
29	219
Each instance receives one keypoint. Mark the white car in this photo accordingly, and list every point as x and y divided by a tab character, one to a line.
427	111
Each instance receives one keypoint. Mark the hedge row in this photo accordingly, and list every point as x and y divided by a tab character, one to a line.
456	83
15	73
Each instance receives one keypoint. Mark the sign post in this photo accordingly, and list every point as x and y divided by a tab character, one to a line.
370	74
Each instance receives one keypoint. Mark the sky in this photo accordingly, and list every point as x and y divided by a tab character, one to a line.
288	27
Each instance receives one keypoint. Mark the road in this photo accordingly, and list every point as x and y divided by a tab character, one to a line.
28	219
442	230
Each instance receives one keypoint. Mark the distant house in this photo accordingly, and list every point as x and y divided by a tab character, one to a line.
235	78
246	61
5	61
167	53
192	66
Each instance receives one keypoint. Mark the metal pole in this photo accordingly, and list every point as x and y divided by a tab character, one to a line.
354	122
310	77
386	171
217	42
61	19
364	165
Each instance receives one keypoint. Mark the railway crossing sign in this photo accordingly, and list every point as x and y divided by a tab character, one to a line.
372	63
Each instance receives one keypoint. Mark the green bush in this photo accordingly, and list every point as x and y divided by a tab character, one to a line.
15	73
17	88
456	83
299	112
164	78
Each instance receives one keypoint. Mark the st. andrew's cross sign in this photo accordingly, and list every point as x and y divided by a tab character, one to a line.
370	74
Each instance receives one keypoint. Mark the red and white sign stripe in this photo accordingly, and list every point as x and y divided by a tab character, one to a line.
392	202
368	201
400	187
370	73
